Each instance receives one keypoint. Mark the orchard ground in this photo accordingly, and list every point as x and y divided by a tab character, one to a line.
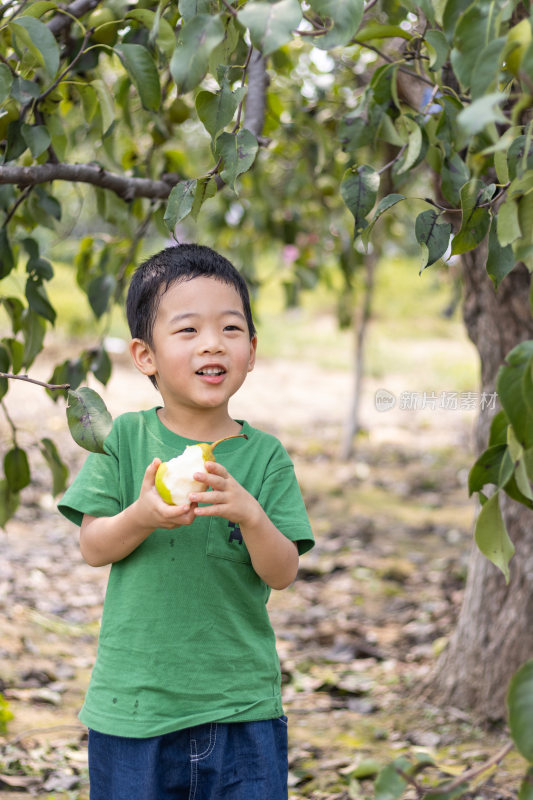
360	630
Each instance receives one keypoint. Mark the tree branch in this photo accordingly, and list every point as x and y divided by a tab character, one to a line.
254	114
65	14
51	386
470	774
465	777
124	187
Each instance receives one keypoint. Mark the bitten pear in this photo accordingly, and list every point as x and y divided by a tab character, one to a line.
173	479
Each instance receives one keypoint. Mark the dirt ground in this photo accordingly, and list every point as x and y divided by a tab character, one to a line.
358	633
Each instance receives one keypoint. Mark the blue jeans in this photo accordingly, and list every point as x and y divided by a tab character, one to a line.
217	761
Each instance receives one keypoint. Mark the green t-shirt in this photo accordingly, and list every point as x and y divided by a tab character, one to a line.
185	636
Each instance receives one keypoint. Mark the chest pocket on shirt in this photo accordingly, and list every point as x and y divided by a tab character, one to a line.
224	540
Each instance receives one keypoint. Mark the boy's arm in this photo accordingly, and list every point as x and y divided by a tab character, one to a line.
104	540
274	557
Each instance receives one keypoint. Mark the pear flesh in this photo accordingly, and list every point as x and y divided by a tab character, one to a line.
173	479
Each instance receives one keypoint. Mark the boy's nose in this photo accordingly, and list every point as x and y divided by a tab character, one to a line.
211	344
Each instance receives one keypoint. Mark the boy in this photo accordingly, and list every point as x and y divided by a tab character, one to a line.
184	699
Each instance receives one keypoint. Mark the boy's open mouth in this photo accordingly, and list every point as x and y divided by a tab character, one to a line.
211	371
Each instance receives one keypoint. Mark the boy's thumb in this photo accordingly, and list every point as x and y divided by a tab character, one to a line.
151	470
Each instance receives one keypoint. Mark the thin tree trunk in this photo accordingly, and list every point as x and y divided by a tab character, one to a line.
353	423
494	634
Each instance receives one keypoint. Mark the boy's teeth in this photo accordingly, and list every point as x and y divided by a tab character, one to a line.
211	371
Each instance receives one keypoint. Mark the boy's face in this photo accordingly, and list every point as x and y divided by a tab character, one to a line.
201	349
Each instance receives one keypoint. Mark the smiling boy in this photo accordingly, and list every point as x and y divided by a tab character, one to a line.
184	699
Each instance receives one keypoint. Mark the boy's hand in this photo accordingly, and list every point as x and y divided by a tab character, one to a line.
274	557
227	499
152	509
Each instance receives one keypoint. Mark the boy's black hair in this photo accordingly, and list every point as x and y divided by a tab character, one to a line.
172	265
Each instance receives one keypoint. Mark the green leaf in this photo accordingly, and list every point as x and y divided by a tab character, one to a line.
492	537
486	67
473	232
475	222
500	260
523	247
17	469
353	132
191	8
389	784
7	261
434	235
437	47
100	292
469	40
384	204
414	145
508	224
179	203
344	18
498	428
6	79
36	137
526	788
34	328
520	472
359	189
271	25
238	152
509	385
161	30
520	708
205	188
71	372
4	367
105	103
190	60
39	40
15	142
88	419
518	161
454	175
100	365
217	110
8	503
377	30
24	91
38	299
492	467
481	113
58	469
142	70
16	353
57	133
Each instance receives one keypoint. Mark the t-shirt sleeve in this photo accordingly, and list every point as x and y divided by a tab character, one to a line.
95	490
281	498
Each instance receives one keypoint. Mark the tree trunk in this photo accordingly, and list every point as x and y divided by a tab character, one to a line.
353	422
494	634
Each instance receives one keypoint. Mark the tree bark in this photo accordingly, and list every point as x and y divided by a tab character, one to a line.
494	635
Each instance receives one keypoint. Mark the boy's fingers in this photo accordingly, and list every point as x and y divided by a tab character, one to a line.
151	469
215	468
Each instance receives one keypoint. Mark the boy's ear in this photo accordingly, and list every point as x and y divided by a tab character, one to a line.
253	350
143	357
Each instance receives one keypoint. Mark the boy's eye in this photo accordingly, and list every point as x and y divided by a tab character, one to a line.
232	328
187	330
